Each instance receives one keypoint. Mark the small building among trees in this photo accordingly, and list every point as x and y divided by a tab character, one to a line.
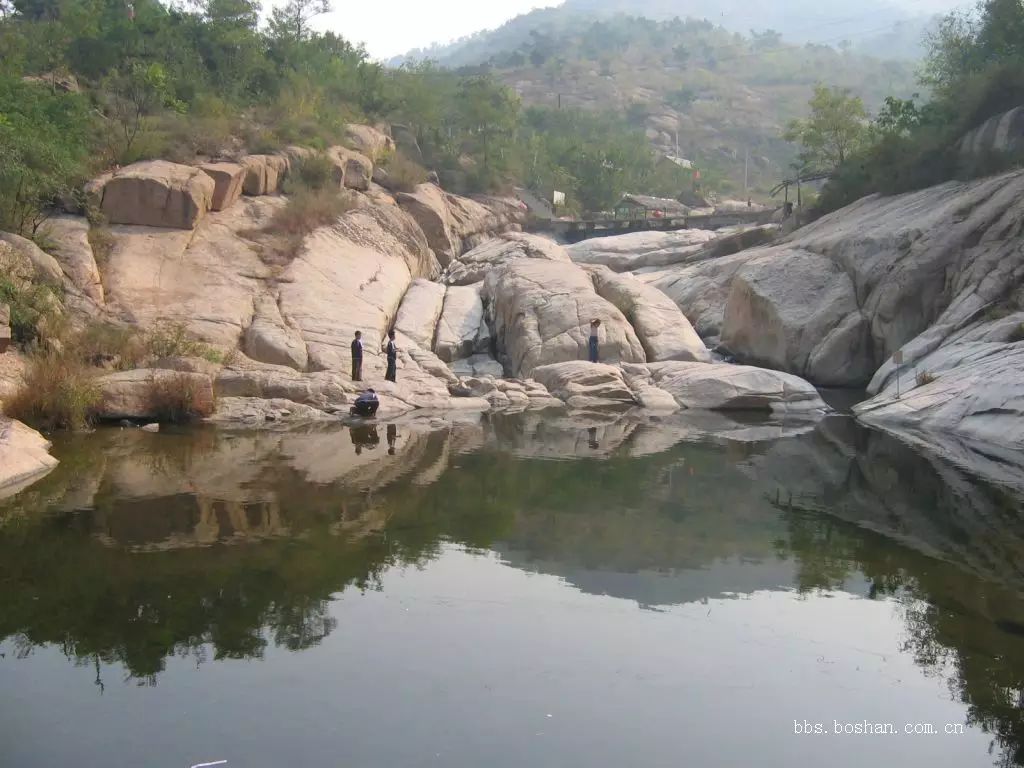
647	207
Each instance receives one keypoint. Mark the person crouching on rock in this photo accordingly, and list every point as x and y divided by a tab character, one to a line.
392	352
357	357
366	404
595	343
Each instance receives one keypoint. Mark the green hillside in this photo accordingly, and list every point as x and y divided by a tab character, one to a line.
716	98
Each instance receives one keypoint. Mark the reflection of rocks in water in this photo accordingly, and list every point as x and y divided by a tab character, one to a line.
175	522
681	508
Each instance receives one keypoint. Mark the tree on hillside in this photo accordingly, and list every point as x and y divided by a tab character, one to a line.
291	21
836	128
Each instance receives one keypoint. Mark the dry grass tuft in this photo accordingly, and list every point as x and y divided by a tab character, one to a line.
177	400
60	392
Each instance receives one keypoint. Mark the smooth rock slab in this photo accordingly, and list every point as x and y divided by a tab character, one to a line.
24	457
725	387
977	395
636	250
581	384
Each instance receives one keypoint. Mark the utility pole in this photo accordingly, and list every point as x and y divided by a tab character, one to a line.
746	175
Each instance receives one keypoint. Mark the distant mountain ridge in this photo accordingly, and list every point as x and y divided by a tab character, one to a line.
873	27
699	91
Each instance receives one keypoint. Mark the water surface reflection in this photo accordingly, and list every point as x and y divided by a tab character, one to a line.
669	592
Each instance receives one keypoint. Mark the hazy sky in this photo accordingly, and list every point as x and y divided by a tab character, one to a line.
391	27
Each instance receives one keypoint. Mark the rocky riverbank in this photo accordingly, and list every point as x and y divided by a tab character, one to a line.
488	317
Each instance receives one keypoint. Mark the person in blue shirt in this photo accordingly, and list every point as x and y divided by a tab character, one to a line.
366	404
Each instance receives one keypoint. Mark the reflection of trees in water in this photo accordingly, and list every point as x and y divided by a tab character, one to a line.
682	508
958	626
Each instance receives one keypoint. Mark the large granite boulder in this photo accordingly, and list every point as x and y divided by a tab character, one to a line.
228	180
69	237
269	339
352	277
22	260
24	457
797	311
624	253
140	394
540	312
462	329
700	290
357	168
369	141
156	193
1002	133
584	385
896	264
417	317
474	265
662	328
721	386
263	174
451	223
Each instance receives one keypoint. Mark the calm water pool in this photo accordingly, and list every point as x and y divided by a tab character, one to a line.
514	591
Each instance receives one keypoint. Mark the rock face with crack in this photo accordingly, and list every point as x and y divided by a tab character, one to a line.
663	330
836	299
453	223
418	315
475	265
541	311
270	339
462	330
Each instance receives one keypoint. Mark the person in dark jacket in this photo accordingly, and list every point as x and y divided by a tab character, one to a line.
392	352
357	357
594	342
366	404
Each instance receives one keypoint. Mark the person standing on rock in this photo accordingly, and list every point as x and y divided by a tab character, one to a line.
357	357
595	342
392	352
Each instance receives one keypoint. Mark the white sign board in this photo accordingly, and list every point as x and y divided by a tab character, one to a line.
558	198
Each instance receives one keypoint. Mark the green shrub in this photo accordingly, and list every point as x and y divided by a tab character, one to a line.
59	392
35	307
924	377
314	172
105	345
169	339
101	240
282	237
1017	334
